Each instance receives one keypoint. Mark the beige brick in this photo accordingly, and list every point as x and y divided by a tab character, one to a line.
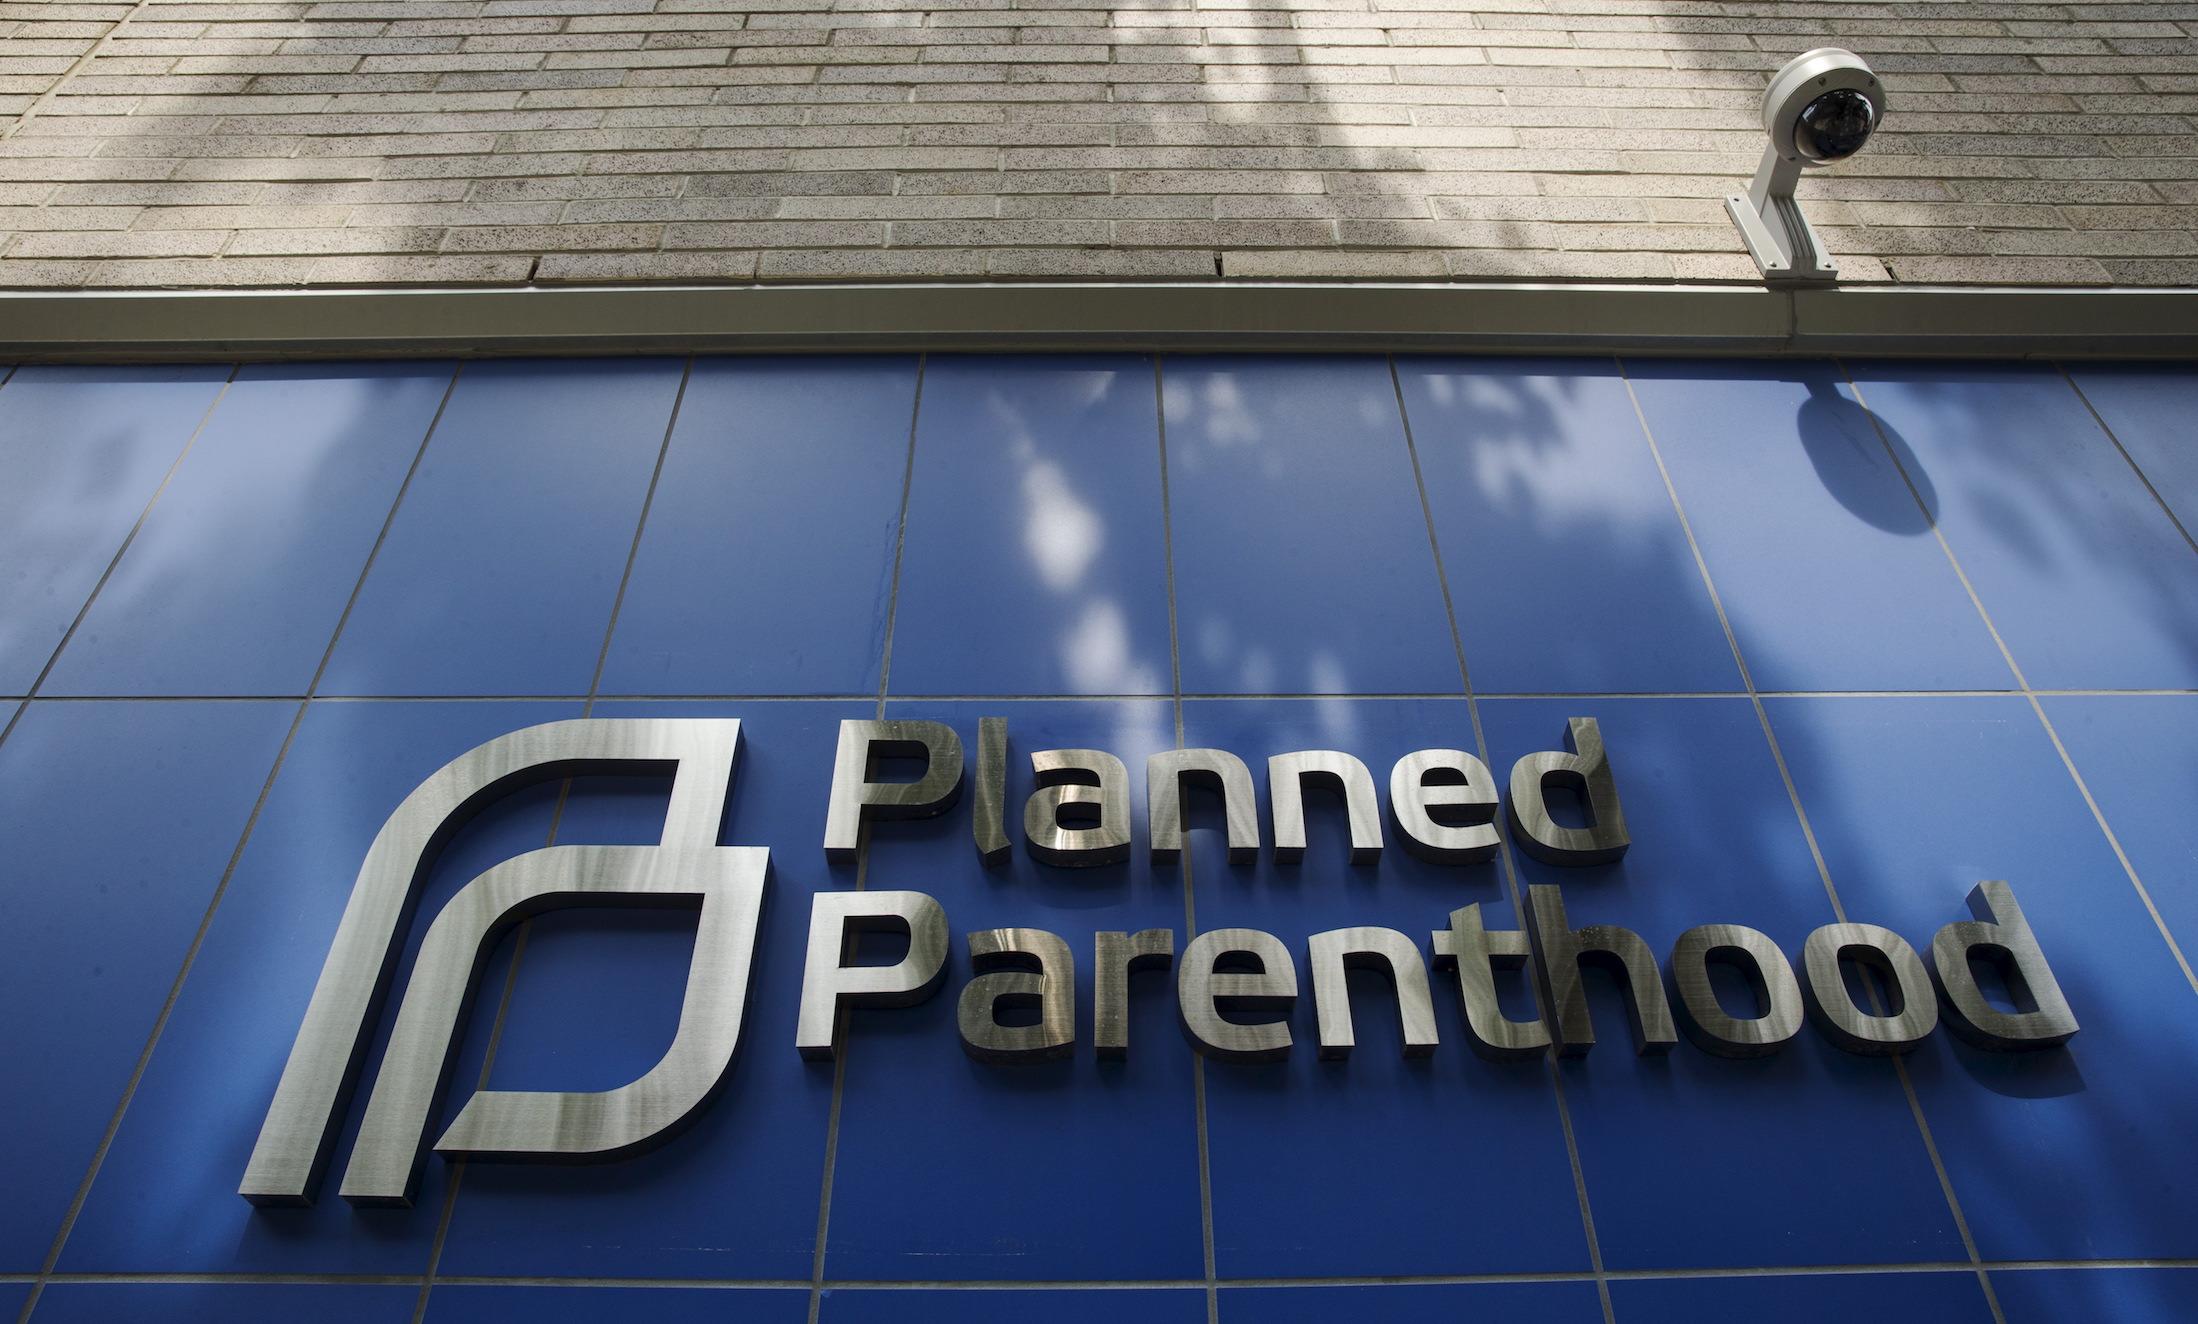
582	268
424	140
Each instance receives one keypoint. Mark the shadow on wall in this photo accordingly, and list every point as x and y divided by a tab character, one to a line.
1834	427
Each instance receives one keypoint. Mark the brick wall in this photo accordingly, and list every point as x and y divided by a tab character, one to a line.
372	142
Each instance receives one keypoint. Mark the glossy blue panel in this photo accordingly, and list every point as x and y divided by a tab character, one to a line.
1819	551
2126	1296
12	1297
504	558
237	580
767	565
165	1199
2139	756
1516	1303
116	822
1941	1298
81	452
2149	407
1302	564
1035	560
594	1006
1362	1167
1716	841
1567	564
459	1303
2075	1153
1014	1307
953	1169
2086	578
223	1303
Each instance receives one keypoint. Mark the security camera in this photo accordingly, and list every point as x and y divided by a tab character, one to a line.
1822	107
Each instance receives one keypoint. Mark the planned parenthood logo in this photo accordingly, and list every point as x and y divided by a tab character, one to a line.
1233	987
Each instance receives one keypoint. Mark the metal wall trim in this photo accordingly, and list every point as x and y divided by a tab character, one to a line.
85	325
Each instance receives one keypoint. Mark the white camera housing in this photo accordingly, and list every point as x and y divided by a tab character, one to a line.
1822	107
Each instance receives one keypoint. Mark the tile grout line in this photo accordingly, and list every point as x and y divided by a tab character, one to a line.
1094	698
190	443
817	1282
1508	865
557	818
1808	833
1199	1114
900	537
2098	815
221	888
1702	1273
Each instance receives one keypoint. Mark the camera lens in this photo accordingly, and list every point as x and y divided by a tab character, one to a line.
1834	125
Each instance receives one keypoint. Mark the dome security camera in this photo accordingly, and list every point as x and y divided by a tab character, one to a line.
1822	107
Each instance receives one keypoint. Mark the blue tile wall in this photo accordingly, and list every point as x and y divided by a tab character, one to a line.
1715	840
1035	562
502	565
118	822
1337	1143
1914	801
1816	544
2138	1296
217	1303
1260	554
1528	1303
2138	755
164	1199
1804	1299
1010	1307
2147	409
467	1304
1290	481
1062	1170
1550	509
2086	577
84	450
236	582
767	565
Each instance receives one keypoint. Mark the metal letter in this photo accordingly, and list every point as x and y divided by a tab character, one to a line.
828	983
1412	796
1108	791
1386	950
1204	991
1560	951
988	819
1835	1012
727	882
1586	771
325	1060
1115	957
1165	774
856	798
2001	935
1051	988
1704	1018
1478	953
1286	778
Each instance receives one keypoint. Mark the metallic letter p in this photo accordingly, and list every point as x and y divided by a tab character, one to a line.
688	868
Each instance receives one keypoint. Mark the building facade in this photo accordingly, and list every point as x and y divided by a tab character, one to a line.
694	661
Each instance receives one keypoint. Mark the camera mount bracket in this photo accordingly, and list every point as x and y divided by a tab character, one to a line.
1779	238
